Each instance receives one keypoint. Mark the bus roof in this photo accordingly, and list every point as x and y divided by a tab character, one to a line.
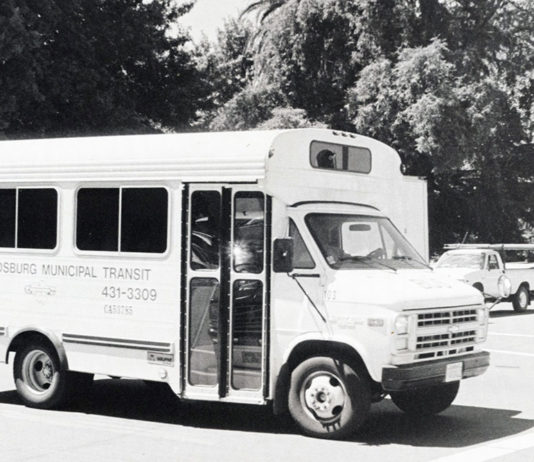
217	156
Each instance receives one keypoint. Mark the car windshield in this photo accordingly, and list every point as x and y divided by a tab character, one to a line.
362	242
461	260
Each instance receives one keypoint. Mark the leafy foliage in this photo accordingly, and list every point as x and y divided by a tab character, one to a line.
286	117
85	66
248	108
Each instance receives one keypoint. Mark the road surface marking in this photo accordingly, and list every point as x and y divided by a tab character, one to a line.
492	450
511	335
516	353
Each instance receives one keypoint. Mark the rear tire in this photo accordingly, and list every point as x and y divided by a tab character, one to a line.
328	398
38	378
426	401
521	300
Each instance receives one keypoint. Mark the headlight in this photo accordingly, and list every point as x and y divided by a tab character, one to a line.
505	286
401	325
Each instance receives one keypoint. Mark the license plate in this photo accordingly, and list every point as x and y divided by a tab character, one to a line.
453	372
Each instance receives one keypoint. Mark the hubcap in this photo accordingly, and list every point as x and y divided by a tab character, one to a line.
38	371
323	395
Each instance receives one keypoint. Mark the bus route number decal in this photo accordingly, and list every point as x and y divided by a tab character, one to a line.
130	293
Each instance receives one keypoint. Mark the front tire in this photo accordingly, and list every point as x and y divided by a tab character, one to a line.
521	300
426	401
38	378
328	398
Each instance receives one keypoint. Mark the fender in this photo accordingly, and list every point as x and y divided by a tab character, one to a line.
18	340
281	381
351	342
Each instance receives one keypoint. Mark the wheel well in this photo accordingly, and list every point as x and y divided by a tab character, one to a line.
309	349
526	285
32	336
479	286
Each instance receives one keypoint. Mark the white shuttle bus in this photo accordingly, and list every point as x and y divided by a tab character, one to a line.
246	267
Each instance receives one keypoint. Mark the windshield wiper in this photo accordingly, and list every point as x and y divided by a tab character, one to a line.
367	260
410	260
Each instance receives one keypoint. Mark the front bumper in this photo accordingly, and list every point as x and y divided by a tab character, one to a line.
427	373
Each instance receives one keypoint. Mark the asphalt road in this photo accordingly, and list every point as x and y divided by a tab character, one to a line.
492	419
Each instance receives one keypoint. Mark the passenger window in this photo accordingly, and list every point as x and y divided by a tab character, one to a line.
142	221
301	256
358	160
204	240
97	223
340	157
37	219
7	217
327	155
34	210
249	219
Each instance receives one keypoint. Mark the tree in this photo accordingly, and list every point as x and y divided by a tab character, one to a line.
248	108
95	67
286	117
18	71
264	8
465	137
307	50
227	66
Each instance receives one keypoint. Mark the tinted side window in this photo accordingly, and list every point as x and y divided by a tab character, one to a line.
37	218
7	217
144	220
97	219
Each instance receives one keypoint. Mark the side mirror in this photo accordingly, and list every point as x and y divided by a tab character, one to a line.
283	255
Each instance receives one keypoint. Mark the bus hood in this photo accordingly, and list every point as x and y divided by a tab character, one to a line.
401	290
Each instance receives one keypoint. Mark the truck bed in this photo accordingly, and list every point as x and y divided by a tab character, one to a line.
519	273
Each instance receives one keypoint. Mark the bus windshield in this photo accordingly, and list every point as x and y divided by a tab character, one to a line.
362	242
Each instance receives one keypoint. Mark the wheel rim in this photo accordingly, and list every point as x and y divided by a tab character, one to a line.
523	298
38	372
324	396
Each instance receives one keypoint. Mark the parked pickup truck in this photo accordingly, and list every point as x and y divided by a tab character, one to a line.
482	266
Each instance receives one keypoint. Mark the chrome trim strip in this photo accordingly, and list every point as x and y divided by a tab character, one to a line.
159	347
425	310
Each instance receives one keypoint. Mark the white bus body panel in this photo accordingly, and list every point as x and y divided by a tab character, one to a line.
63	291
